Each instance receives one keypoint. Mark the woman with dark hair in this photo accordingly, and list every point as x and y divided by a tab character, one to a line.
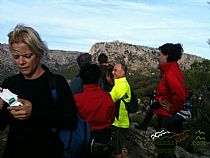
173	51
171	90
171	93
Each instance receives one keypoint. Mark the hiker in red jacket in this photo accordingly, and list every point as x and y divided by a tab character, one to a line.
171	92
96	107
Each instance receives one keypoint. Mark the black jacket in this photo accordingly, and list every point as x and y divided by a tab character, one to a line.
33	137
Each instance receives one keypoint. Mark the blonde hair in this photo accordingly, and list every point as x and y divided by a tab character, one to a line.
30	37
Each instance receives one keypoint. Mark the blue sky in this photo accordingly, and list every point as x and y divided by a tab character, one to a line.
78	24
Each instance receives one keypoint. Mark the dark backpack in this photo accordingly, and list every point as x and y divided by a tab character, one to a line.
77	141
131	106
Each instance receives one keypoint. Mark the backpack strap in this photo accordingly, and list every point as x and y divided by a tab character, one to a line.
53	90
84	146
117	103
52	83
125	96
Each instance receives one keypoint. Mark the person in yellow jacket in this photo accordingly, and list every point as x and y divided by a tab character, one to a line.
121	123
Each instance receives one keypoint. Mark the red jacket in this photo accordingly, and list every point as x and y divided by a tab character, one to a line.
96	107
171	88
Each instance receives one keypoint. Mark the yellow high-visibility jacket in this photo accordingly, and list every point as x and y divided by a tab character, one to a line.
121	87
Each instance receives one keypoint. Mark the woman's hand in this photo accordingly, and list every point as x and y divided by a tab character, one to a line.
1	103
165	104
22	112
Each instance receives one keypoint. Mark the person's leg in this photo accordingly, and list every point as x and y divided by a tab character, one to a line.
86	153
170	124
146	121
119	137
118	156
174	127
148	116
101	144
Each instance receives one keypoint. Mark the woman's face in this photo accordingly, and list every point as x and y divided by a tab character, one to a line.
26	61
162	58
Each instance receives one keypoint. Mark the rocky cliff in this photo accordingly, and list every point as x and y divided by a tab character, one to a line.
55	60
136	57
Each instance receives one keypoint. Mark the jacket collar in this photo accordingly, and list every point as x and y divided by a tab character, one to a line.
167	66
91	87
119	80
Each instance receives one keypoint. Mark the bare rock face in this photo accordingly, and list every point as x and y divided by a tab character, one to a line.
6	64
54	59
136	57
58	60
139	144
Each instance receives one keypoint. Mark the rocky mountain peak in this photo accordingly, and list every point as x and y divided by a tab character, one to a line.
136	57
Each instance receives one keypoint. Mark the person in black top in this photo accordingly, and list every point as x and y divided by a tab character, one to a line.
30	125
107	79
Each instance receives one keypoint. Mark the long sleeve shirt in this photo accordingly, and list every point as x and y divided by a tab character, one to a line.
121	87
96	107
33	137
171	88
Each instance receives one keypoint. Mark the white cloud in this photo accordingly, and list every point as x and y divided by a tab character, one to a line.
77	24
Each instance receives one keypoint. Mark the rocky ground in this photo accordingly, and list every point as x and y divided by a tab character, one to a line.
140	145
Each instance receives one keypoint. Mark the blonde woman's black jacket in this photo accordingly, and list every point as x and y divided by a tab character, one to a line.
34	137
